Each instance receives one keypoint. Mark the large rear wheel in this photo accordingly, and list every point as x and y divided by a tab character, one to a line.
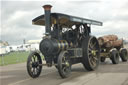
91	53
64	64
34	64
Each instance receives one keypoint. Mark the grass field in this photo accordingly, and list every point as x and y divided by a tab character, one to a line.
13	58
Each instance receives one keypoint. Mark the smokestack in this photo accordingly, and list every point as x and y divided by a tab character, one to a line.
47	10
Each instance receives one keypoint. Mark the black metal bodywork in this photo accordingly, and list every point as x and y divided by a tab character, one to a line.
67	32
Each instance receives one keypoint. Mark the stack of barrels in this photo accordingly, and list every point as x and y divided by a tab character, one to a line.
110	41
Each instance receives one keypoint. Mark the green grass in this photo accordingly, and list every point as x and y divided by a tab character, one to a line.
13	58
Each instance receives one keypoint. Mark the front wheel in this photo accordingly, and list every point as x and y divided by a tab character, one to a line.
34	64
64	64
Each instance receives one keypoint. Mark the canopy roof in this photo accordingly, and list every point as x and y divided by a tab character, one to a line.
64	20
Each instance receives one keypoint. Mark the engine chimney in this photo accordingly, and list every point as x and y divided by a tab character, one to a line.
47	10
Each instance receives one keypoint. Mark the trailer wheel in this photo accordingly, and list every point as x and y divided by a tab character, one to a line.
34	66
64	64
114	56
91	53
124	54
102	59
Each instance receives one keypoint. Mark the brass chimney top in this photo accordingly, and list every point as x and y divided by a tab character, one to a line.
47	7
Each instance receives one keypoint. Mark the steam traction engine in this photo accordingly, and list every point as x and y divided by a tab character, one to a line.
67	41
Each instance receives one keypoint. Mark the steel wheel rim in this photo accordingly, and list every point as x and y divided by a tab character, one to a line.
93	52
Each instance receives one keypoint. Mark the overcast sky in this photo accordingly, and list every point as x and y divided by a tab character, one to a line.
16	17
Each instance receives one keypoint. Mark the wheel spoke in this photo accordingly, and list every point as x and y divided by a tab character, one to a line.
64	69
32	70
89	54
30	65
89	49
94	62
90	46
95	58
35	71
91	61
67	69
94	46
34	58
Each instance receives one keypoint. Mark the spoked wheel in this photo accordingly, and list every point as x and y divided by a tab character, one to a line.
91	53
124	54
114	56
34	66
64	64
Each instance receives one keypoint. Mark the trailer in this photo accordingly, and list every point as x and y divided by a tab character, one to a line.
113	48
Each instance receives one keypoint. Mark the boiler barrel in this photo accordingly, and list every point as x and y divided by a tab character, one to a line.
50	47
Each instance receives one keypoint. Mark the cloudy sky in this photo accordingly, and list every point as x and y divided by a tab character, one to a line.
16	17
